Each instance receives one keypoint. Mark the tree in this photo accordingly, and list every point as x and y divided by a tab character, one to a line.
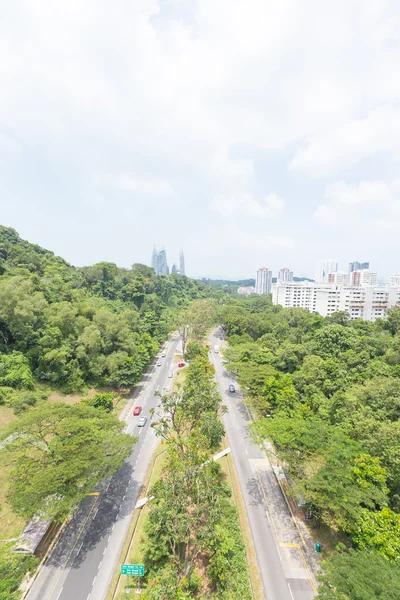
58	453
378	531
358	575
104	401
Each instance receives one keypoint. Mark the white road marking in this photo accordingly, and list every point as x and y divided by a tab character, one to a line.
123	497
96	511
109	537
98	568
108	485
140	431
60	593
88	596
104	551
113	527
94	580
80	548
290	590
245	449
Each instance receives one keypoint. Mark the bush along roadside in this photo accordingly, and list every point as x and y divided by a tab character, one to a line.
193	545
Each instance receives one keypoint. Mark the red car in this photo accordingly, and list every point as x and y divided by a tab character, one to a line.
182	364
137	410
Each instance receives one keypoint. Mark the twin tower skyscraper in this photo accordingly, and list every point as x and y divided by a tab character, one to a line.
160	265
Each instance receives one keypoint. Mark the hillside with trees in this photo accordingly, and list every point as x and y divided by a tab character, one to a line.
326	392
70	329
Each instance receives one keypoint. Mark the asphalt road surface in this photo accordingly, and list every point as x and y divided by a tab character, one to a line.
84	559
283	574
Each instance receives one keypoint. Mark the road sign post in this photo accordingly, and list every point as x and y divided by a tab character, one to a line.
135	570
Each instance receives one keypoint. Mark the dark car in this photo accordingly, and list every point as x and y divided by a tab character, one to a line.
232	389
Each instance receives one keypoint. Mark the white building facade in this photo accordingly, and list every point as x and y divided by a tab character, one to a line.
363	277
263	281
324	267
285	275
368	303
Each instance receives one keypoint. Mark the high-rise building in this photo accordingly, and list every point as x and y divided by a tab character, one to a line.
324	267
174	269
363	277
285	275
159	262
181	263
357	266
395	280
263	281
154	259
340	278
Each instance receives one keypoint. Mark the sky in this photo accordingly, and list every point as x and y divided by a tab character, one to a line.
248	132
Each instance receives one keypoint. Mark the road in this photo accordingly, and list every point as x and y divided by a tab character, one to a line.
283	571
84	559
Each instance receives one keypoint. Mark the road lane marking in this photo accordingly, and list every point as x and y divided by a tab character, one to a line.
108	485
109	537
123	497
140	431
98	568
80	548
113	527
94	580
94	516
60	593
88	596
104	551
75	543
290	590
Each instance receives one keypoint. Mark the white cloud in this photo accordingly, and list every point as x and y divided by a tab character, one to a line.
346	145
246	205
373	205
129	183
232	234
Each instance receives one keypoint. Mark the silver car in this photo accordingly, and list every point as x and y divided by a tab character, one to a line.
142	421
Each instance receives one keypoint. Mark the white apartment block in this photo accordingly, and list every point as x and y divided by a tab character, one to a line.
285	275
368	303
395	280
339	277
263	281
363	277
324	267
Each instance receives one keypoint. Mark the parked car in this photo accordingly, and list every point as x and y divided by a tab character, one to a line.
159	363
181	364
232	389
137	410
164	354
142	421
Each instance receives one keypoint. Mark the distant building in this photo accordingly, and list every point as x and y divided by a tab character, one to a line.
246	290
368	303
340	278
181	263
285	275
159	262
324	267
363	277
173	270
395	280
263	281
357	266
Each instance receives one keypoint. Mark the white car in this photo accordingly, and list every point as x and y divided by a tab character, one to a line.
170	375
164	354
159	363
142	421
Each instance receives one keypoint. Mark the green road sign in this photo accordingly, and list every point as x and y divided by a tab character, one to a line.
135	570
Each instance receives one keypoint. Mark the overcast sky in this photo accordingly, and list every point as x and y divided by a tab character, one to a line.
248	132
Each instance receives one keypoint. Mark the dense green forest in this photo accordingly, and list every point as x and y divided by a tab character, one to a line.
75	327
326	391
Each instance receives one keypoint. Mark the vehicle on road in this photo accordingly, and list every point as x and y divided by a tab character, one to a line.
232	389
142	421
164	354
159	363
137	410
170	375
216	349
181	364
